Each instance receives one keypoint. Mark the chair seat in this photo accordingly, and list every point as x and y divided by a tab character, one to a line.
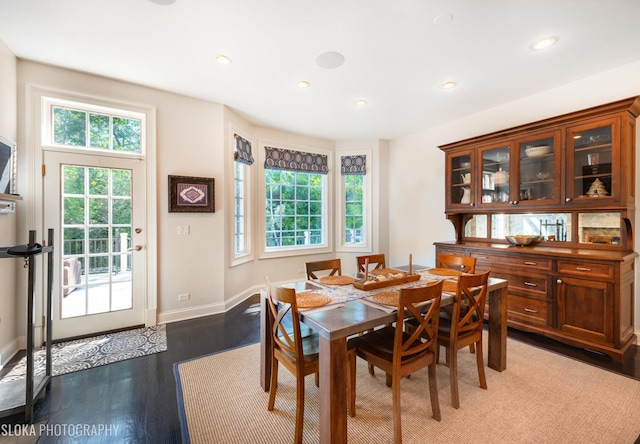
310	348
378	342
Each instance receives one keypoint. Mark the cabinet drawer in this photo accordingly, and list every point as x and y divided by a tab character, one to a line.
587	269
534	286
526	310
519	262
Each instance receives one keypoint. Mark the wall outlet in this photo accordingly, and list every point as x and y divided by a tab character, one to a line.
183	230
183	297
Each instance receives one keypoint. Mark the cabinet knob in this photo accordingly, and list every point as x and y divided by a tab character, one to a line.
568	199
471	204
559	281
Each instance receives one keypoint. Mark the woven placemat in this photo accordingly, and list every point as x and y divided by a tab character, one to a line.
337	280
444	272
310	299
451	286
386	298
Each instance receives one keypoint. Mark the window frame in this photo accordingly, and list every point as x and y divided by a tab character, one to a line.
248	254
327	222
367	193
49	103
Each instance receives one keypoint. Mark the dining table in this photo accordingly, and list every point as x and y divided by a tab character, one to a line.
353	311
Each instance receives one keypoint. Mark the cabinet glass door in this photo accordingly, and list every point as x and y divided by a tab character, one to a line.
495	175
538	170
591	177
461	180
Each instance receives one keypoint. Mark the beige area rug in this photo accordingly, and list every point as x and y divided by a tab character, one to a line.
542	397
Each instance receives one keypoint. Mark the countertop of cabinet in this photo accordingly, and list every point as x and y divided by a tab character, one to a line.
580	253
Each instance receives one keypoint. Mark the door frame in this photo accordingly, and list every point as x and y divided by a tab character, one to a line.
31	213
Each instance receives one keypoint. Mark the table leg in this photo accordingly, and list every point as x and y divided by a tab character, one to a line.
266	347
333	391
498	329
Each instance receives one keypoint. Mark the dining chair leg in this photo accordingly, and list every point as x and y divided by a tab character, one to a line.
389	380
299	408
453	376
372	372
472	348
317	379
274	384
397	427
433	392
480	361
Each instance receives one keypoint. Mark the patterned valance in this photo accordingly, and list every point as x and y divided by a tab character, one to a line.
243	151
281	159
354	165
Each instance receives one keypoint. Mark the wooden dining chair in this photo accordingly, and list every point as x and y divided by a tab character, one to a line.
399	354
464	328
374	259
465	264
298	354
333	265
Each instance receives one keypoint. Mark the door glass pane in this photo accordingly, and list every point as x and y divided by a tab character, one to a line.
495	175
592	163
97	258
461	179
536	169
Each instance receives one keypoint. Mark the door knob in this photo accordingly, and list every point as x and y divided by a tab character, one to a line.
137	248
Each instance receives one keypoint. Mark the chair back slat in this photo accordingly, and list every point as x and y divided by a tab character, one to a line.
374	259
465	264
469	304
333	265
425	335
282	302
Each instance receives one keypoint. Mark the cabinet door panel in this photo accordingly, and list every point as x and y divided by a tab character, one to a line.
585	308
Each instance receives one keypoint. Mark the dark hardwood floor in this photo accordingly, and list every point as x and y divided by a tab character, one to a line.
139	395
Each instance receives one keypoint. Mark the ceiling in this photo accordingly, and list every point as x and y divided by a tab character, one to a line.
397	53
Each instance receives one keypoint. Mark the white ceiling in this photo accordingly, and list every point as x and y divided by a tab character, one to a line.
396	57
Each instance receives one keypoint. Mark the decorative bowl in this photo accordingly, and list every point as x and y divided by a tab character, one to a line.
537	151
466	164
521	240
543	175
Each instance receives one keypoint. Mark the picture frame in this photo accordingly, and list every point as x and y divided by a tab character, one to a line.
188	194
8	159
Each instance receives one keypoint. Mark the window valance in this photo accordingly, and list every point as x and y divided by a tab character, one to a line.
243	151
354	165
291	160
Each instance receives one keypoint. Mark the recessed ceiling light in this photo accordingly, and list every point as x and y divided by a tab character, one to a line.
361	102
544	43
330	59
163	2
223	59
303	84
448	85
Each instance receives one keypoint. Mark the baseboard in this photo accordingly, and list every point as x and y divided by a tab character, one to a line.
209	309
8	352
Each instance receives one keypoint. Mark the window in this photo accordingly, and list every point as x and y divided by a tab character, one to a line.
353	210
295	200
243	159
101	129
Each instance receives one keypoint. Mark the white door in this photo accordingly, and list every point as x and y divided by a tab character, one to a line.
96	205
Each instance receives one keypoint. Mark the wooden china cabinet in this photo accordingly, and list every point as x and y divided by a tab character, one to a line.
570	181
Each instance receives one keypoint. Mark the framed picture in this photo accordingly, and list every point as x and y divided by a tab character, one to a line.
7	172
191	194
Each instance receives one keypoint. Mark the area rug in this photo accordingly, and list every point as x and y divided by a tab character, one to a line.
541	398
81	354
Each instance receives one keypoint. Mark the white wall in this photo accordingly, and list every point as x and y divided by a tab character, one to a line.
416	198
10	269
